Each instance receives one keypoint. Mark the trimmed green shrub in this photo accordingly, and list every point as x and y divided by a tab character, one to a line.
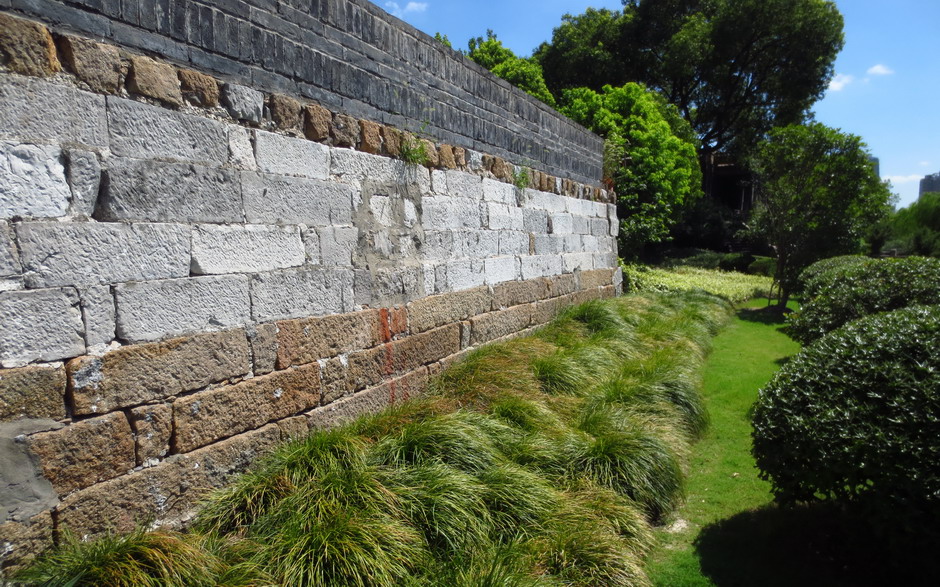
766	266
867	288
857	415
822	273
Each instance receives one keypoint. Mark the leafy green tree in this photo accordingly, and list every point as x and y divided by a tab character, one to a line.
652	165
525	74
916	229
817	192
442	39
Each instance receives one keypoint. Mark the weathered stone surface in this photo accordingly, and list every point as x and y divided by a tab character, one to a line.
308	339
26	47
514	293
98	315
369	367
460	157
149	191
285	111
9	258
447	308
39	324
391	141
207	416
241	153
293	428
264	348
499	216
560	285
369	401
497	191
344	130
137	374
577	261
151	310
545	311
337	245
380	174
430	152
493	325
370	139
463	274
317	120
86	452
596	278
514	242
295	293
447	213
22	541
153	426
84	177
199	89
155	80
447	157
89	253
32	392
242	102
222	249
32	181
24	492
279	199
500	269
96	64
145	131
540	265
35	109
291	156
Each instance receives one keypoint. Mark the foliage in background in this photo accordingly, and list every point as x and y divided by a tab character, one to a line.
734	287
652	166
525	74
816	193
866	288
542	460
915	230
442	39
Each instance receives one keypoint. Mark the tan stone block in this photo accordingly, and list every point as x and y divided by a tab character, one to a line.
585	295
487	327
263	340
96	64
548	183
447	157
344	130
447	308
207	416
335	380
369	401
32	392
460	157
155	80
513	293
488	161
391	141
370	139
368	368
545	311
502	169
397	319
562	284
142	373
26	47
86	452
317	121
22	541
285	111
293	428
308	339
430	150
609	291
199	89
596	278
153	426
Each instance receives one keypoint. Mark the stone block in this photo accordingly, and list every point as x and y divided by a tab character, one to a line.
91	253
460	157
577	261
464	185
560	285
26	47
312	245
434	311
500	269
370	367
9	258
605	259
335	381
280	199
207	416
285	111
560	223
37	110
494	325
293	428
512	242
447	157
344	130
497	191
546	201
600	227
596	278
222	249
545	311
23	541
291	156
39	324
96	64
391	141
379	173
580	224
478	244
295	293
151	132
447	213
264	348
151	310
242	102
32	181
199	89
441	245
370	137
86	452
153	427
317	120
502	217
541	266
137	374
465	274
549	244
32	392
84	177
241	153
337	245
431	153
98	315
535	221
369	401
155	80
514	293
309	339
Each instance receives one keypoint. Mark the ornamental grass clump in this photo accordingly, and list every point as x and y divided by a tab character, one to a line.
541	460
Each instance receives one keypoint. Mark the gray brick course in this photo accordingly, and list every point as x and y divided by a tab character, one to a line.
220	249
42	324
281	199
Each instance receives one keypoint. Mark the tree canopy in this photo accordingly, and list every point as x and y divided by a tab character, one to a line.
817	192
525	74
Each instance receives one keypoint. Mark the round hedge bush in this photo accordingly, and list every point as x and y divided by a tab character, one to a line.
857	414
866	288
822	273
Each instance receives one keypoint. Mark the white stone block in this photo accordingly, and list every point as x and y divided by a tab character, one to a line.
280	199
448	213
512	242
284	155
84	176
143	131
221	249
500	269
540	266
374	171
337	245
32	181
578	261
296	293
478	244
32	109
40	324
464	274
561	223
9	259
98	315
241	153
503	217
441	245
464	185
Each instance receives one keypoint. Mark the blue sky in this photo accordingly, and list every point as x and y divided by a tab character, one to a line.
886	89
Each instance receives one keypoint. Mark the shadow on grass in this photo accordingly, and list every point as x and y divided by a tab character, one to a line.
766	315
806	546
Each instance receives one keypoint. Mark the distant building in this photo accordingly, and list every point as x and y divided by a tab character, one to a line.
930	183
876	164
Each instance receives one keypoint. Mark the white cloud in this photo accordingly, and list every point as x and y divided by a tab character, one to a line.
416	7
396	10
879	70
838	83
924	163
903	178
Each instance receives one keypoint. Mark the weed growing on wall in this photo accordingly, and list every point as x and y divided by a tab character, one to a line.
413	151
520	177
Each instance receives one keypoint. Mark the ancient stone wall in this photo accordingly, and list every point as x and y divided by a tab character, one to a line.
194	269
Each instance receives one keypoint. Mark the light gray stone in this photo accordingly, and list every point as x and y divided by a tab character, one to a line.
356	166
241	153
337	244
242	102
465	185
606	259
545	201
291	156
145	131
549	244
295	293
440	245
571	243
578	261
280	199
438	182
581	224
478	244
465	274
220	249
503	217
541	266
561	223
590	244
534	220
500	269
447	213
600	227
475	159
311	245
170	192
497	191
151	310
513	242
84	176
32	181
91	253
33	109
41	324
98	315
9	258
